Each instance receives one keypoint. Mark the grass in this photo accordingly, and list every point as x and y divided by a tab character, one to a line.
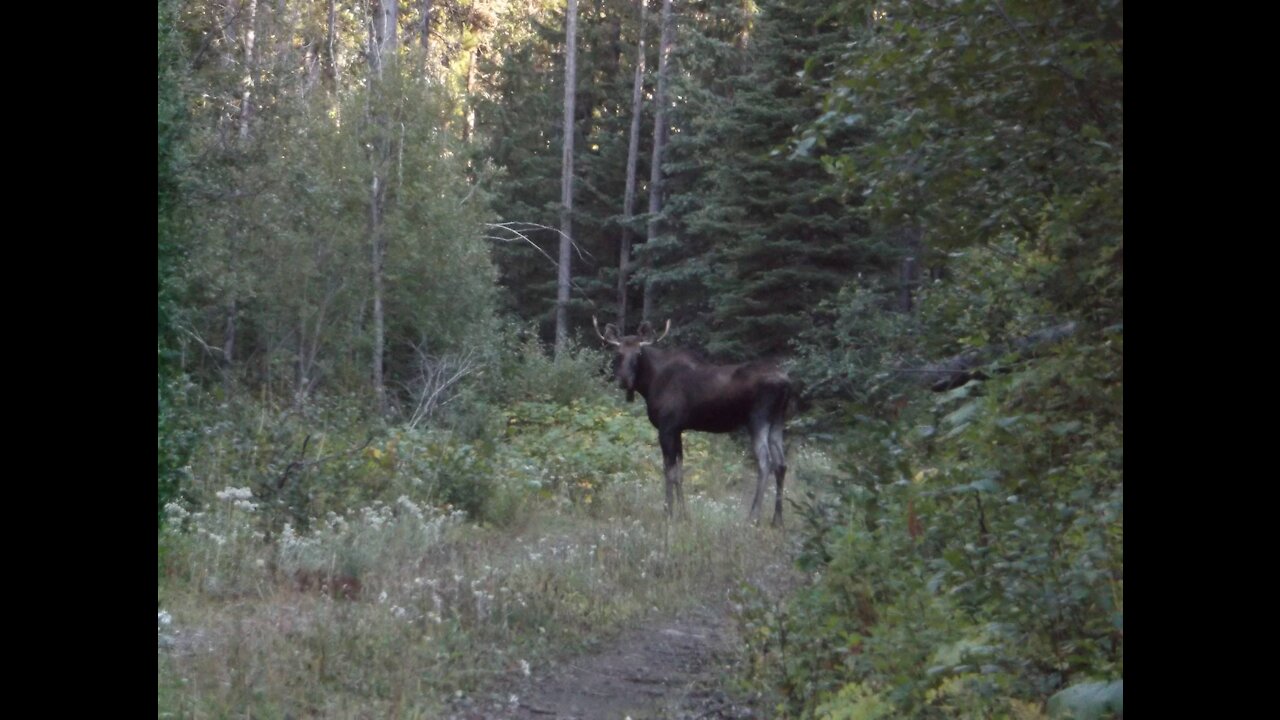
394	609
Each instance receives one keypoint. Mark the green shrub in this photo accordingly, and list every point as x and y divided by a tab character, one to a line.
968	561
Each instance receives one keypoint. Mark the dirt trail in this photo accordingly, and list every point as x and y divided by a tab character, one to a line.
665	669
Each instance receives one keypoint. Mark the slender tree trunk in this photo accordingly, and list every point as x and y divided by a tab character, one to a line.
246	98
469	121
659	146
230	32
381	51
566	178
300	359
909	273
229	346
378	255
905	273
633	151
330	61
283	24
382	36
426	33
244	20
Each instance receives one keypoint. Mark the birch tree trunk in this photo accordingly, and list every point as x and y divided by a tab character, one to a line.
246	98
566	178
659	145
381	51
633	150
426	34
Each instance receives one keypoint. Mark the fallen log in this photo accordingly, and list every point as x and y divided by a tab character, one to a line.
959	369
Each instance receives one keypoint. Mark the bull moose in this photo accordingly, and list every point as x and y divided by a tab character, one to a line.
682	392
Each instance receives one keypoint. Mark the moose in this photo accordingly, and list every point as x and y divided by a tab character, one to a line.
682	392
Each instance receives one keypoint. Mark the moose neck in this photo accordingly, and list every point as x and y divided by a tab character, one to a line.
650	359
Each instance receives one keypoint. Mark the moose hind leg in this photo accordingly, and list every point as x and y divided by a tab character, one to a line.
778	459
760	444
680	477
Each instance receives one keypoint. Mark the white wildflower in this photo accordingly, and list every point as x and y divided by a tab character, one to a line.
230	493
524	667
382	597
165	618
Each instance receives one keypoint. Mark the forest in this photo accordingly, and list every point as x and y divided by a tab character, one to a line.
396	474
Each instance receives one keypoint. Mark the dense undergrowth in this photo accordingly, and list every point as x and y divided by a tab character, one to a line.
963	549
965	556
313	563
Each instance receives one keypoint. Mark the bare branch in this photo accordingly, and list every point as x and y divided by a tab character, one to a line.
438	377
526	239
524	227
216	352
511	226
299	464
958	369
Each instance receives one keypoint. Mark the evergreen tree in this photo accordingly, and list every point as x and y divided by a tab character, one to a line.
767	232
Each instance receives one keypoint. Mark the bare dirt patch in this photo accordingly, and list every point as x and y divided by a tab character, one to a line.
671	668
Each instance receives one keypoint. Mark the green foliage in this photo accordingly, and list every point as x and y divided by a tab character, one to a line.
990	125
855	702
579	449
761	236
440	468
969	556
280	247
963	549
971	560
846	362
518	122
176	438
173	438
528	372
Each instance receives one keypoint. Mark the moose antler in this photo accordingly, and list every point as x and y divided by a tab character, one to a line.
596	325
664	334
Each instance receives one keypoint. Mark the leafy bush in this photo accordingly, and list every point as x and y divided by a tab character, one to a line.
175	439
968	561
578	449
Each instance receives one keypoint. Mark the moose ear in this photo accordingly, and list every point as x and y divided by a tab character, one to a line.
645	331
610	333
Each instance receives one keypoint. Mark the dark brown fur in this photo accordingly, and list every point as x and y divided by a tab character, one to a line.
682	392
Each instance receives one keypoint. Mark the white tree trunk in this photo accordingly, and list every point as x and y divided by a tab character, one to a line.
566	178
659	144
633	151
246	98
381	51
